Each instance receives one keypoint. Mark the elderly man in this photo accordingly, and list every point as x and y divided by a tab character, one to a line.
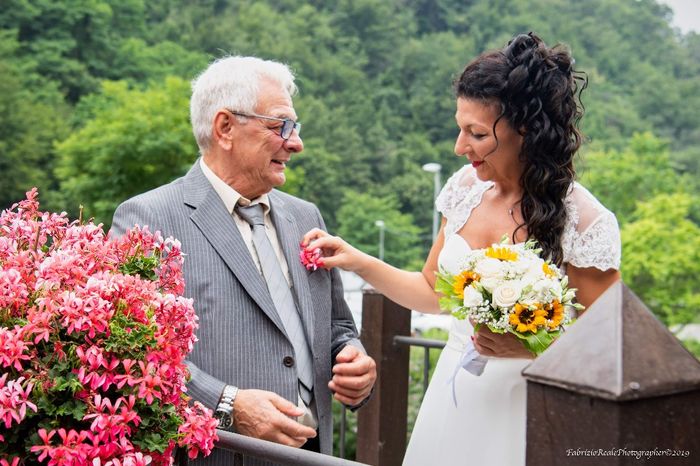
274	338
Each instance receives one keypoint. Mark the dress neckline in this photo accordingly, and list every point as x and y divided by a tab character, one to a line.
469	246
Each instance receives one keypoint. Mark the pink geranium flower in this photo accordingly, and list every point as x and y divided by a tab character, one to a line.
93	338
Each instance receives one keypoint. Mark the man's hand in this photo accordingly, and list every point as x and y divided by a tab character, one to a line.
266	415
353	376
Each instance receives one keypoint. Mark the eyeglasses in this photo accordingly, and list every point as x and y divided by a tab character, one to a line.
287	125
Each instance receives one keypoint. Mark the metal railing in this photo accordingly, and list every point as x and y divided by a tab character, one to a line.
270	451
427	345
381	424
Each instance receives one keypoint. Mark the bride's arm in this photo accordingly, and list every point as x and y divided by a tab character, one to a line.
590	282
413	290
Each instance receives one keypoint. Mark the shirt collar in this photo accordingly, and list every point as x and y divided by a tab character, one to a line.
230	196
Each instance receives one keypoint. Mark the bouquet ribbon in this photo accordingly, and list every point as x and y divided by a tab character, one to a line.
472	362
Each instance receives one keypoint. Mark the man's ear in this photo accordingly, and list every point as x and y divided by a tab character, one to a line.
224	128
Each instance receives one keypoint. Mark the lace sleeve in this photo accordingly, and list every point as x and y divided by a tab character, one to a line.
452	193
593	238
458	197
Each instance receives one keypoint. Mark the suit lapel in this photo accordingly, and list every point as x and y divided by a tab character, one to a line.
217	225
289	237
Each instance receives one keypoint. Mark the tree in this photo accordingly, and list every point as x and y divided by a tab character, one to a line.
72	42
32	116
621	179
661	257
134	141
356	224
139	62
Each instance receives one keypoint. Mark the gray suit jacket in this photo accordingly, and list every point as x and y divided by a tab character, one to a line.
242	340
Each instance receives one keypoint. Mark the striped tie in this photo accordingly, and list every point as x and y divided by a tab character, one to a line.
281	297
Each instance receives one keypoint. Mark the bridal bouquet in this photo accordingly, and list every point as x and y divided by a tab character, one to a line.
93	337
510	288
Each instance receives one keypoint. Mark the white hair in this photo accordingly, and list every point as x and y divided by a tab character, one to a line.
233	83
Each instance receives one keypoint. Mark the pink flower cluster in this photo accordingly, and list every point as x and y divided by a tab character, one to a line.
93	338
311	259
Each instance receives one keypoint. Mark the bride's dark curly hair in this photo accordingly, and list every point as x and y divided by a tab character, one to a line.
538	92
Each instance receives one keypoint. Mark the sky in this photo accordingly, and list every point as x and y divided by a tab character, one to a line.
686	14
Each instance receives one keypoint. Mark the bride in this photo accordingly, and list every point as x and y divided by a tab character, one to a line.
517	113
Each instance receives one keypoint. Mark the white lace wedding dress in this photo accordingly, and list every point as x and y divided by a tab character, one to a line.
486	426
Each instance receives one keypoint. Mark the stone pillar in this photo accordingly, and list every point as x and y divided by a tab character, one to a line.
616	389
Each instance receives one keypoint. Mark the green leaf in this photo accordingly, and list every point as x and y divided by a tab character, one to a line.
152	441
443	284
144	267
538	342
73	408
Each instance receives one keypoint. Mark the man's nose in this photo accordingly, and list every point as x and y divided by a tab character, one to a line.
294	143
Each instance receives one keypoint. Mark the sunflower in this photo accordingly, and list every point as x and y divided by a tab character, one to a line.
462	281
524	318
548	271
504	254
555	314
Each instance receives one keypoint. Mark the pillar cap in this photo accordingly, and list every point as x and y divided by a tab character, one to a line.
617	350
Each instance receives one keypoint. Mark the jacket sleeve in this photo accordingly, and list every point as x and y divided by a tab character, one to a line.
201	386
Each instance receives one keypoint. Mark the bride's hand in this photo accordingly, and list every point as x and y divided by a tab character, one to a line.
505	345
335	251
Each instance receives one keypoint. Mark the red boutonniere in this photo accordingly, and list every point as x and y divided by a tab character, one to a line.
311	259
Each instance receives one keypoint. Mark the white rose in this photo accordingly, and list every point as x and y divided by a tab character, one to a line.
507	294
472	298
489	267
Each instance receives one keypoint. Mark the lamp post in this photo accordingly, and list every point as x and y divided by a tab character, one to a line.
435	169
380	224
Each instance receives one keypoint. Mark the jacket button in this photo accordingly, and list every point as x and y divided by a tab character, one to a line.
288	361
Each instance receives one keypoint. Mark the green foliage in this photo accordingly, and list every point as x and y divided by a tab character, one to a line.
693	346
619	179
132	141
657	208
662	257
158	427
72	41
139	62
538	342
128	338
142	266
443	285
30	120
350	447
357	226
94	107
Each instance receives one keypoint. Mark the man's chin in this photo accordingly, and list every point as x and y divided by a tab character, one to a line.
279	179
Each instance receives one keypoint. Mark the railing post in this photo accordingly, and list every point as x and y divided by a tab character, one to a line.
381	424
616	389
